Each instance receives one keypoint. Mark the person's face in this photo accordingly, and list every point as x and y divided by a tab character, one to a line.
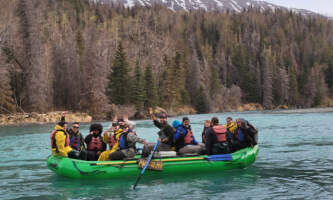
163	120
207	123
125	128
95	132
121	124
75	128
115	126
229	121
65	126
238	123
186	123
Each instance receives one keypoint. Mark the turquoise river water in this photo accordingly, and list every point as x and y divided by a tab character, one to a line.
295	162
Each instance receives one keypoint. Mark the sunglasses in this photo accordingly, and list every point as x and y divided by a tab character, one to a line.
76	127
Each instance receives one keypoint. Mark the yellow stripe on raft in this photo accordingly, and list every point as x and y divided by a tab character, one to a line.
135	161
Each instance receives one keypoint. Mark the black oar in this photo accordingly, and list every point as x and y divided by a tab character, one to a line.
147	163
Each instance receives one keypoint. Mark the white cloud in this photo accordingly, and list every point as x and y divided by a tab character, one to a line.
319	6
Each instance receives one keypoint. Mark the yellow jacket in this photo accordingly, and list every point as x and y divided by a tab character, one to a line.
105	154
231	127
61	141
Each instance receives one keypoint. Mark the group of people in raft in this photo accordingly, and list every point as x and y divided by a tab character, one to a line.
121	139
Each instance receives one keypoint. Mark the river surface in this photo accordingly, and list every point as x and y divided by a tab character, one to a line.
295	162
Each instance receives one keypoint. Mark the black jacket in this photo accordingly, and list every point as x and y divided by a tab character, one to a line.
166	131
250	132
211	140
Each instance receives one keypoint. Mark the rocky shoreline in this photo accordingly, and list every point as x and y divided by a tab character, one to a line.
37	118
54	117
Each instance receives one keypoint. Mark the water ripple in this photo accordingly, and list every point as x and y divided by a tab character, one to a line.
295	162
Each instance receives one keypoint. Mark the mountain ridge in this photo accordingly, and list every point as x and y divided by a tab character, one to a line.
208	5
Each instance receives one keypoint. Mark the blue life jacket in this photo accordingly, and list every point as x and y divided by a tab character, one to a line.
241	136
123	144
75	142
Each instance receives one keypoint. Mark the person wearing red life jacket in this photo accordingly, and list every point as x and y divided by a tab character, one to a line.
185	141
60	143
94	142
216	138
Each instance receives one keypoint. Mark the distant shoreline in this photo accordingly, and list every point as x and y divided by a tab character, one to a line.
304	110
44	118
54	117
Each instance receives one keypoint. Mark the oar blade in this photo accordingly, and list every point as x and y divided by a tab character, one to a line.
220	157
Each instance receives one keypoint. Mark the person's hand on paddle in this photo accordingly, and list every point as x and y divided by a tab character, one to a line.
63	114
164	140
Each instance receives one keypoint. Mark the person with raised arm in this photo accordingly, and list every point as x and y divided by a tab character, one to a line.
60	142
165	134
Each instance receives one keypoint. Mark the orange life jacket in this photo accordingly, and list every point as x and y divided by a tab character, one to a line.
220	132
188	139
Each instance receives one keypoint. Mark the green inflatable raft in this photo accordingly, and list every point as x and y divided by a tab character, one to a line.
170	166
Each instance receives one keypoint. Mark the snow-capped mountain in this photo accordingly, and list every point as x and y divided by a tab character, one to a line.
208	5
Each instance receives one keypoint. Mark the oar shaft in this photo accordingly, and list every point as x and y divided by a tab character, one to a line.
147	163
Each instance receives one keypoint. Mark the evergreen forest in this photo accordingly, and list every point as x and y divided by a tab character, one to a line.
84	56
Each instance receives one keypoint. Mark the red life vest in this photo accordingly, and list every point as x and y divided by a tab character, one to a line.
53	140
220	132
95	144
188	139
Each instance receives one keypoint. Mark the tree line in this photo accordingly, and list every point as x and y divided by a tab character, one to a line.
84	56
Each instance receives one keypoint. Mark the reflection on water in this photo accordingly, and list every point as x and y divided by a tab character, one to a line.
204	184
295	162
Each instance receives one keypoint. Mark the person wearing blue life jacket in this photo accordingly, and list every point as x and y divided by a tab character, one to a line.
75	137
125	141
185	141
60	141
76	140
245	135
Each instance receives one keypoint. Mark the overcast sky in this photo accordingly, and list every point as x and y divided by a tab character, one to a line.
320	6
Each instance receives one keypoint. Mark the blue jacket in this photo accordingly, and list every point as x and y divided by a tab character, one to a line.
180	135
